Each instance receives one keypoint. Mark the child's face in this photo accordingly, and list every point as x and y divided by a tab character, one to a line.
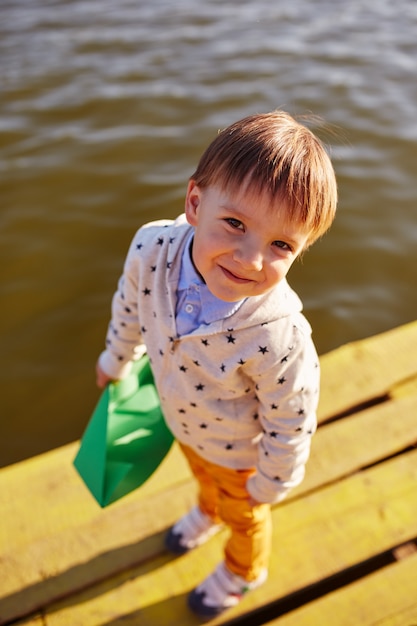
242	246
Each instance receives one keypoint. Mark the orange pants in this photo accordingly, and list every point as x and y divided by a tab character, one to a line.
223	496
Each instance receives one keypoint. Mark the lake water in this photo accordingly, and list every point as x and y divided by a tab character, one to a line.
105	108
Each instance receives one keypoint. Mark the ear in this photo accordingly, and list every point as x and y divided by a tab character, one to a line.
192	202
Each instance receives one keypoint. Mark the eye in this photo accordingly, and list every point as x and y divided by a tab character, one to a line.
234	223
282	245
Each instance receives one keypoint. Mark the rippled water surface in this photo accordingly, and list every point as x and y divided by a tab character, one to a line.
105	108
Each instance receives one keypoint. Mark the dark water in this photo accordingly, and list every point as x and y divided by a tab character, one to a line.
105	108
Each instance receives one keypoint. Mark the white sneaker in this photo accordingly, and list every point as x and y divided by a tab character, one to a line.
191	531
220	591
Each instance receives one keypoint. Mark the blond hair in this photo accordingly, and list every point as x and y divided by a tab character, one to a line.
274	153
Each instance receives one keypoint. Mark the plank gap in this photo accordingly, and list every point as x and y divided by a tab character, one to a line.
394	455
305	595
356	408
343	476
405	550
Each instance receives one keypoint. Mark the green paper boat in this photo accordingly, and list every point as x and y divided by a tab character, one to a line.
126	438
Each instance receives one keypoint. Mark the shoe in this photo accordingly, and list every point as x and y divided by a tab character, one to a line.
191	531
220	591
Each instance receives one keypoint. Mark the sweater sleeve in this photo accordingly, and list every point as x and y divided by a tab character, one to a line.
288	396
124	339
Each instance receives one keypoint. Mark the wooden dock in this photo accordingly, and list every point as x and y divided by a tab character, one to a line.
345	541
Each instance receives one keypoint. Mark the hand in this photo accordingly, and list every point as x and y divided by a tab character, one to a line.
101	377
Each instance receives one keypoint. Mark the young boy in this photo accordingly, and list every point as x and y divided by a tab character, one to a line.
234	364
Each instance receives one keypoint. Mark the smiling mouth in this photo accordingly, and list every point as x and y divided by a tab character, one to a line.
234	277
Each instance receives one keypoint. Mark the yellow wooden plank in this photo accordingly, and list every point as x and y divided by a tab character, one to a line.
51	478
50	525
314	537
45	494
365	369
404	617
386	597
406	387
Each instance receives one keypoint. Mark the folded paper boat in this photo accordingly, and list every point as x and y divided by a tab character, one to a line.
126	438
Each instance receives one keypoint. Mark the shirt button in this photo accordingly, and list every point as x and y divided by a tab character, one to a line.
189	308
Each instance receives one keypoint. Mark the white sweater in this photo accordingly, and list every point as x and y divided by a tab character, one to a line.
242	392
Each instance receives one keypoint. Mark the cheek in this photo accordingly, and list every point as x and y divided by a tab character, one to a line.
278	270
210	246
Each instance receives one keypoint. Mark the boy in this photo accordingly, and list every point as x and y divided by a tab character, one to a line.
232	355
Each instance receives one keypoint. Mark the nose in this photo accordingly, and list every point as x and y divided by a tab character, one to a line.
249	256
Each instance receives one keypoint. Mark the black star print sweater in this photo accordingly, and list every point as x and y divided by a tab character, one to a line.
243	391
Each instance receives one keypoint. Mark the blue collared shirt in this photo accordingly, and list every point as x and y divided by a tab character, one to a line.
196	305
